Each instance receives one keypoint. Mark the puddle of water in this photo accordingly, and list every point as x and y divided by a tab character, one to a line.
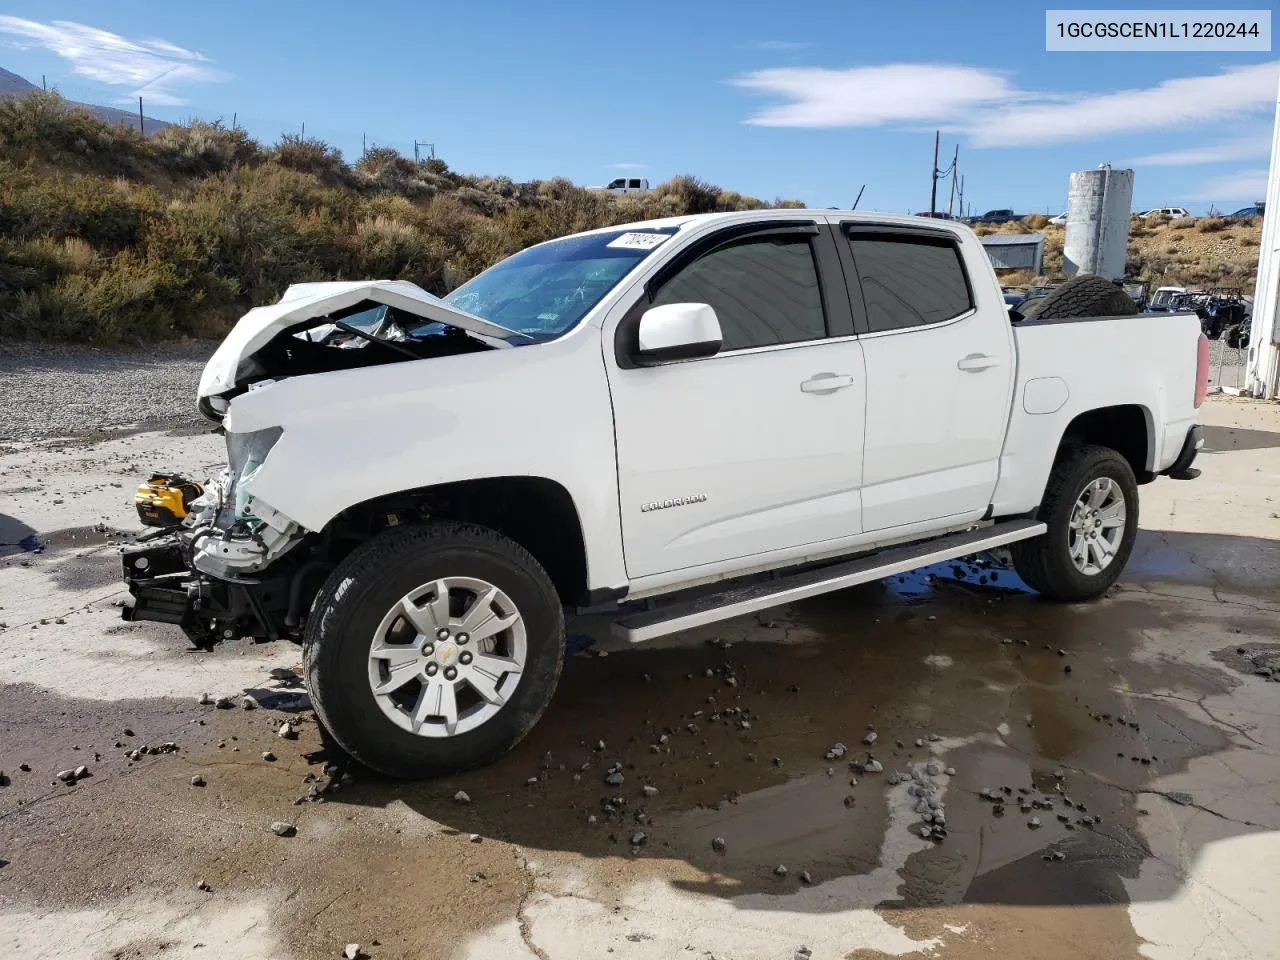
979	573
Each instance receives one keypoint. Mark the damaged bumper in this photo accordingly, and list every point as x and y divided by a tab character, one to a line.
233	566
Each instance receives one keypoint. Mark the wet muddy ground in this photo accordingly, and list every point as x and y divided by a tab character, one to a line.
1107	775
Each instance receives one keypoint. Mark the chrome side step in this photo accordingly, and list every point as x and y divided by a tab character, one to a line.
810	583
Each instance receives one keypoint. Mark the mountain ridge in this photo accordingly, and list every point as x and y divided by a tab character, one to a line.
13	85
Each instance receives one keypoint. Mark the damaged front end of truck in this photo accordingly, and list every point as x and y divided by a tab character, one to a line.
223	562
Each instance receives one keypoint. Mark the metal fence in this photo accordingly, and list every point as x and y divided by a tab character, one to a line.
1227	366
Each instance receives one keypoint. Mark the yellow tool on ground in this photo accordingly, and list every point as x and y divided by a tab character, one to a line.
164	499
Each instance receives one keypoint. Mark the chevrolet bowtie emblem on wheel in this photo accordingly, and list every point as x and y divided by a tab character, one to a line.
674	502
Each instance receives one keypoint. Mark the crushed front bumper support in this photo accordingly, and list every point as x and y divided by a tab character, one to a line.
166	590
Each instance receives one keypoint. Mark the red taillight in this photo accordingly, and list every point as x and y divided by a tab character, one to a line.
1202	369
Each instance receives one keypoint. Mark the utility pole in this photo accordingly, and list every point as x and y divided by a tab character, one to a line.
43	86
961	193
951	198
234	114
142	123
933	176
364	144
304	129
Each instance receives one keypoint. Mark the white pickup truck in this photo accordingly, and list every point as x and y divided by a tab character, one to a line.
714	414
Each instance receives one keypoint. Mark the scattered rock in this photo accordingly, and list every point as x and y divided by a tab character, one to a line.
249	702
462	797
1033	823
639	838
24	767
352	951
80	772
268	755
67	776
282	673
198	781
649	791
933	768
870	738
614	779
223	703
203	886
950	771
282	829
287	731
836	752
780	870
919	741
205	700
1182	799
476	838
873	766
718	844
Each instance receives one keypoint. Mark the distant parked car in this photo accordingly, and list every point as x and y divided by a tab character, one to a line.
1163	300
997	216
1246	213
936	215
625	185
1173	213
1060	219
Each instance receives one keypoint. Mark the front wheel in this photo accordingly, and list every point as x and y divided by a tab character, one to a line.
434	648
1091	509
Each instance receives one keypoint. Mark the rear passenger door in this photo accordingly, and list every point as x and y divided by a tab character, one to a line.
940	371
757	448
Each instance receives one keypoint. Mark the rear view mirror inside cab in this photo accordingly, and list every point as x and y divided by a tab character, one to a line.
677	331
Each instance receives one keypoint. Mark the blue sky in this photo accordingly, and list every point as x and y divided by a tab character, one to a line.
801	99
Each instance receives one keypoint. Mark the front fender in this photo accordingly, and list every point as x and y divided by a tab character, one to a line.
352	436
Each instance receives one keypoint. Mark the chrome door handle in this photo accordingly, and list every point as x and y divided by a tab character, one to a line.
826	383
975	362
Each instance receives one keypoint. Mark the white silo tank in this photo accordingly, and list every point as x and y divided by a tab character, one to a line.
1097	235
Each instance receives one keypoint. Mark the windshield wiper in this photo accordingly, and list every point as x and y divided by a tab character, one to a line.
355	331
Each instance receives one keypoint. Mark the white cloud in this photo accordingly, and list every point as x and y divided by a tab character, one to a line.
1245	148
1228	95
872	96
991	110
627	166
1243	186
154	69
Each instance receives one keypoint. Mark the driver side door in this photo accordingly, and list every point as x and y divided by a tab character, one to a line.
758	448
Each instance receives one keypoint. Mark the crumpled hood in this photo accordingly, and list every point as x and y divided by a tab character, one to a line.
307	301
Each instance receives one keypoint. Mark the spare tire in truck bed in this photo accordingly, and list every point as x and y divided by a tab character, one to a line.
1083	297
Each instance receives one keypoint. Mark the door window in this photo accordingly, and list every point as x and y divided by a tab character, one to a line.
910	281
764	291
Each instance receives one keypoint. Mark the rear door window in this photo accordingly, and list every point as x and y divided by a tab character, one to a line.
909	281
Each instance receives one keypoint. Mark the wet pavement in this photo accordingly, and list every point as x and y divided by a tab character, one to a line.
1107	775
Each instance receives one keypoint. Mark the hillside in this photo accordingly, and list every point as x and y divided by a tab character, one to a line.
1195	252
12	85
106	236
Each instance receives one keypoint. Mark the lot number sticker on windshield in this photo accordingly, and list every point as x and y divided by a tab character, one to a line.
638	241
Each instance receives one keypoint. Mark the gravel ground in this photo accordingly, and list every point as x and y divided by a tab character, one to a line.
63	391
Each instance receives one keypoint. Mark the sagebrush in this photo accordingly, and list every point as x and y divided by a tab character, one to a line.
107	236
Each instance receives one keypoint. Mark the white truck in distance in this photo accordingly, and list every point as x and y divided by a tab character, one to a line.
717	413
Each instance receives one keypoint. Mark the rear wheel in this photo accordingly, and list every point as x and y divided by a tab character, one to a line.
434	648
1091	510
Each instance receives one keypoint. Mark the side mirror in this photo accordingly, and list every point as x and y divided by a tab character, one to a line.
677	331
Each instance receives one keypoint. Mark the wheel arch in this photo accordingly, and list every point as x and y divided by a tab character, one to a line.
1127	428
536	512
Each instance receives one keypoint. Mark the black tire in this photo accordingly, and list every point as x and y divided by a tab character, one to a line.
1044	562
366	586
1237	336
1083	297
